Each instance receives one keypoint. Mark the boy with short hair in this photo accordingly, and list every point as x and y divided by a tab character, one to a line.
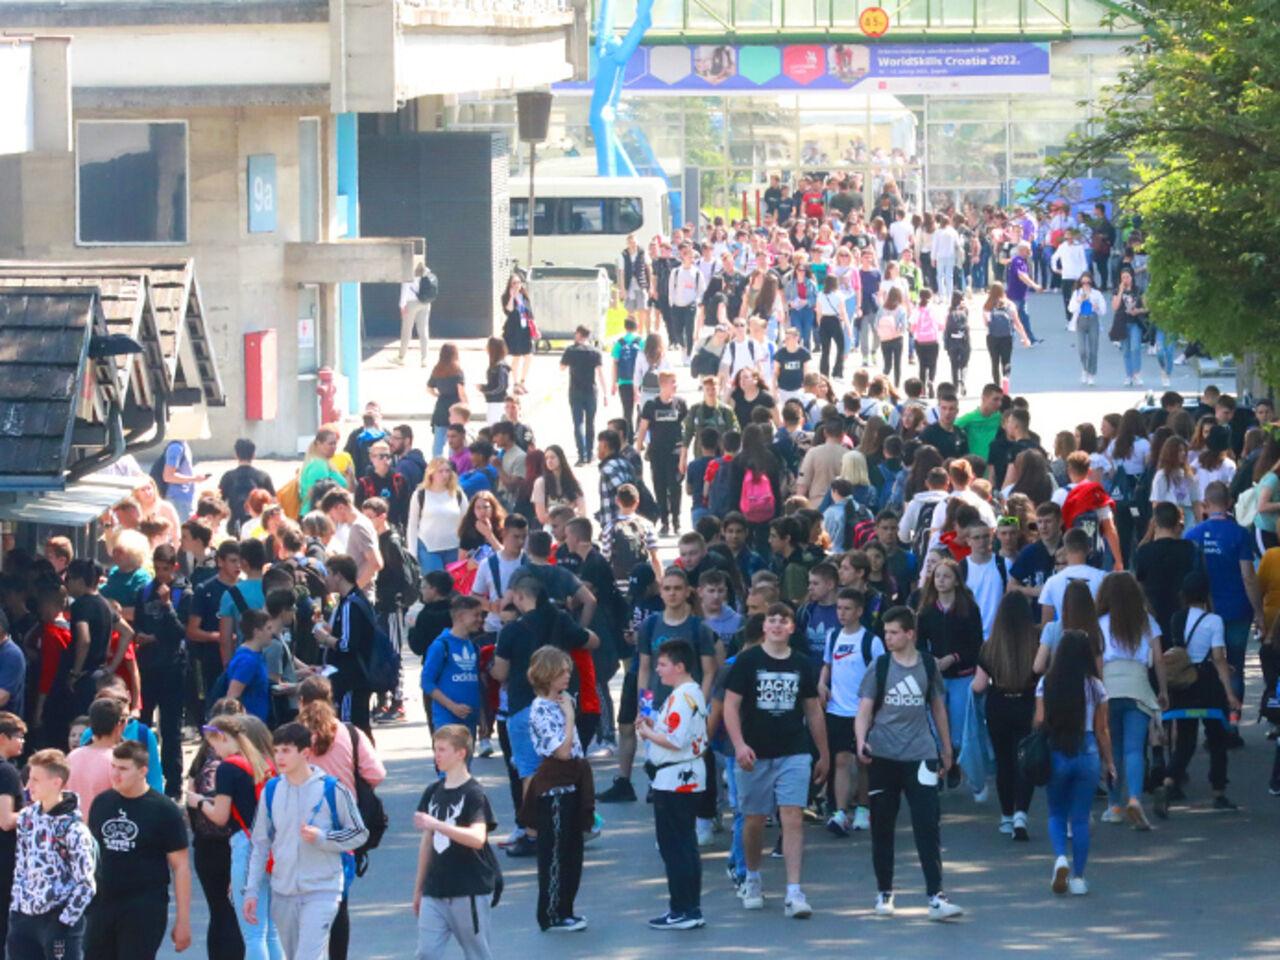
722	619
896	700
850	651
304	823
458	879
450	679
248	679
818	617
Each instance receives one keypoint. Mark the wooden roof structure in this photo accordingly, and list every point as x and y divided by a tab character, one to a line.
49	379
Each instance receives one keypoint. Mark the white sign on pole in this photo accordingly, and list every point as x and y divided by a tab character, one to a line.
17	99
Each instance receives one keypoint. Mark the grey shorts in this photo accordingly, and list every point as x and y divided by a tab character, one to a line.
636	298
778	781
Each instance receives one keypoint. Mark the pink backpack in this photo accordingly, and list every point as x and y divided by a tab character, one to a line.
757	503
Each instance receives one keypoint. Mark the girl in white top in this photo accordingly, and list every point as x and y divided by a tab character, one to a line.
1130	449
435	510
1175	481
1214	462
652	359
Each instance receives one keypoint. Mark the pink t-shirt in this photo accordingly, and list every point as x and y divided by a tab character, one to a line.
90	774
336	761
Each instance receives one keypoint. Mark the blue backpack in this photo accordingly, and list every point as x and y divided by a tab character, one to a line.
628	350
330	799
717	495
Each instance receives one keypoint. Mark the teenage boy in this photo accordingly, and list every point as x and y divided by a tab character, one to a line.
162	659
348	642
89	766
1163	562
901	563
362	538
450	679
677	743
13	737
457	873
204	638
1082	495
245	594
305	821
92	622
736	533
661	424
818	616
586	368
769	694
493	577
53	876
248	679
897	698
1034	563
984	572
980	426
142	839
723	621
850	651
1076	544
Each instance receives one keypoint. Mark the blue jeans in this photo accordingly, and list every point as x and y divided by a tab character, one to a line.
959	690
1070	795
1236	637
1133	350
1166	347
430	560
1025	316
438	437
1129	746
261	941
582	407
737	859
804	320
946	278
1087	343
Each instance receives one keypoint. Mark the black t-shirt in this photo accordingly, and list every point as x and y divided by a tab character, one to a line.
10	786
236	485
949	443
518	641
773	692
742	407
94	610
1161	566
582	360
447	389
135	836
791	367
231	781
455	870
666	422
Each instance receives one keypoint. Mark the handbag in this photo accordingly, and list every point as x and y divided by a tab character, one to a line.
1179	672
1035	761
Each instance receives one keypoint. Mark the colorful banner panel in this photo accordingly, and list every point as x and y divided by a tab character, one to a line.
867	68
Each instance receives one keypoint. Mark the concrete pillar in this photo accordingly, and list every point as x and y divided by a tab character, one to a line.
348	176
51	93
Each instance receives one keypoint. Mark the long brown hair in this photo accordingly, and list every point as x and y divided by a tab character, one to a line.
1080	613
1131	428
315	694
1172	461
995	296
1121	598
467	526
929	592
1011	651
497	348
447	364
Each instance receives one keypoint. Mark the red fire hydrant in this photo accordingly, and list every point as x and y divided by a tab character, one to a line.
327	391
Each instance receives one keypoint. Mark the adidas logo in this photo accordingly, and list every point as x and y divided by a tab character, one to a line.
905	693
465	658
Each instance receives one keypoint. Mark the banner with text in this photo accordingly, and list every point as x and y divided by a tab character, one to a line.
867	68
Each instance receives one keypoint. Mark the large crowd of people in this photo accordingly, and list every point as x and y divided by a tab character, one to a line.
872	596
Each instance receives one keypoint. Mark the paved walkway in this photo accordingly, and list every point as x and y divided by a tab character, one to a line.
1200	885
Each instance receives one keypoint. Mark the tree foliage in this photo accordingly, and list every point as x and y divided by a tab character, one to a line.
1197	118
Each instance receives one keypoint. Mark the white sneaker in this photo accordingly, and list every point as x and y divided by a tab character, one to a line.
1020	826
1077	887
1084	377
1137	381
1006	826
862	821
703	831
752	895
981	796
1128	381
884	904
484	748
1112	815
798	907
1164	380
1091	379
940	908
1061	870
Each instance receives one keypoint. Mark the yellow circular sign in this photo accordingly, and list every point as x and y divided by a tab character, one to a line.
874	21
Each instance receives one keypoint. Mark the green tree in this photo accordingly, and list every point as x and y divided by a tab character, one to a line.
1197	119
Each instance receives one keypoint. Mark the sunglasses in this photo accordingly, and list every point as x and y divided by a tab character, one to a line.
1008	522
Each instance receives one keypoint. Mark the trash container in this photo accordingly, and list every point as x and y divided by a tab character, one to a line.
564	298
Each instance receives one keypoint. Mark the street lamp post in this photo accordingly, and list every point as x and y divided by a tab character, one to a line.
533	112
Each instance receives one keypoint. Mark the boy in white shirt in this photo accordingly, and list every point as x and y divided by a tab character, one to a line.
1076	544
985	574
851	650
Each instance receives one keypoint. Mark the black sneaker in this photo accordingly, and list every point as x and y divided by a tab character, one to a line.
1222	802
953	777
524	847
621	792
1274	790
567	925
1160	802
1235	741
664	530
678	921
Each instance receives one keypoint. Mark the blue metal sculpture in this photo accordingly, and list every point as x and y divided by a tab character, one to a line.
611	59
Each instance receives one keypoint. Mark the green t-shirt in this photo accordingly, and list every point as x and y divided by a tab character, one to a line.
313	471
979	431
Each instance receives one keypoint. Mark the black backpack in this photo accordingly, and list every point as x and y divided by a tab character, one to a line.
924	529
717	494
428	286
369	804
627	547
859	522
882	677
157	470
1088	522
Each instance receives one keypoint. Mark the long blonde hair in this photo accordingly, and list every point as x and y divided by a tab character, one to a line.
323	435
438	463
234	727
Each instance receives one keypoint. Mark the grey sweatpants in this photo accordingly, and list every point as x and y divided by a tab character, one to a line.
465	919
303	922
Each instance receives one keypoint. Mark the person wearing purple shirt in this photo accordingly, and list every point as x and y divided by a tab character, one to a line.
456	444
1018	283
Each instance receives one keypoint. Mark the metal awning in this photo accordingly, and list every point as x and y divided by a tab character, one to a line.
78	505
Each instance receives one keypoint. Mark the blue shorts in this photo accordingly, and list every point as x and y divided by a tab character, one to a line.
524	758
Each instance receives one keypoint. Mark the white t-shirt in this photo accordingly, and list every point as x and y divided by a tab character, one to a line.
483	585
987	586
1056	585
741	354
946	243
1203	632
1060	497
1224	473
683	720
901	231
1137	459
843	656
1183	490
1112	650
1094	694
